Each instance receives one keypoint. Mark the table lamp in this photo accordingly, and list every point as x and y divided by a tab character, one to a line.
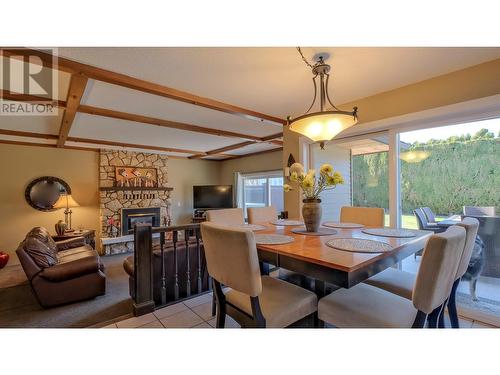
66	201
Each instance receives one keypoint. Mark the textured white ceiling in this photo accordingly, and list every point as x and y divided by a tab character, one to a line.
276	81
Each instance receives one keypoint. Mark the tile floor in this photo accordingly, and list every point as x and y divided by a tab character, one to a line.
193	313
197	313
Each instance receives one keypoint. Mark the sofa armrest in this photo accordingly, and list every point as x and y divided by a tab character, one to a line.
71	270
70	243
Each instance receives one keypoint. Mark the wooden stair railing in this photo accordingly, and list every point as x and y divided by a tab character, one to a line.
143	265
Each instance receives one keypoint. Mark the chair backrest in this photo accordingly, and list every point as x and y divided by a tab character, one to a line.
471	226
431	218
232	259
421	218
367	216
479	211
438	268
261	214
229	216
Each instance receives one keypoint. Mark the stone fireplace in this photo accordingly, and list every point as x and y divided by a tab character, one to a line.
123	206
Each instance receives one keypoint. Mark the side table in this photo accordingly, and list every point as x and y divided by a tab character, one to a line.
88	234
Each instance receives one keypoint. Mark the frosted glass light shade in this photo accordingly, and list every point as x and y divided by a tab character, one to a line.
323	126
65	201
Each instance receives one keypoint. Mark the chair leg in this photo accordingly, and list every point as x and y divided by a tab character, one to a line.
432	318
214	305
220	320
441	315
452	306
420	319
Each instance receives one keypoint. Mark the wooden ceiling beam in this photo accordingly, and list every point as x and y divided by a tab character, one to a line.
160	122
75	93
91	110
18	133
254	153
123	80
222	150
9	95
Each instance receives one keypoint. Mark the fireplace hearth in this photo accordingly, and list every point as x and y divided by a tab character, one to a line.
133	216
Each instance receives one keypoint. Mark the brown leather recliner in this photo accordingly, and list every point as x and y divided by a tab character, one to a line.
61	272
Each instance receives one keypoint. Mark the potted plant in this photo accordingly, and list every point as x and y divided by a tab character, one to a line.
312	185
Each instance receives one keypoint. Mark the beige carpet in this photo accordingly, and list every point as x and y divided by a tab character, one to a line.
19	308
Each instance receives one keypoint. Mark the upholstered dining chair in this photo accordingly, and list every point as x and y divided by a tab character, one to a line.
402	282
365	306
228	216
367	216
261	214
253	300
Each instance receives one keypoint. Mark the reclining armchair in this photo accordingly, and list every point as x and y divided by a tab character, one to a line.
61	272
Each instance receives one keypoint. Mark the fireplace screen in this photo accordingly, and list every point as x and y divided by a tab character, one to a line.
133	216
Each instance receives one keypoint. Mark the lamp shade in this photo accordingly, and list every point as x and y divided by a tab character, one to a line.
323	126
65	201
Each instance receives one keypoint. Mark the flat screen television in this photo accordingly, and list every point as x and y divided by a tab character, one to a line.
213	196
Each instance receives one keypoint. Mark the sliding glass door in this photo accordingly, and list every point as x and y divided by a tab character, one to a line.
261	190
363	161
448	173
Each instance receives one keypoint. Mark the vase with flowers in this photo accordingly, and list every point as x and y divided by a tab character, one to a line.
312	184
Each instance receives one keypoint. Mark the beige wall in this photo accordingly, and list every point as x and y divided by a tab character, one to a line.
182	175
256	163
20	165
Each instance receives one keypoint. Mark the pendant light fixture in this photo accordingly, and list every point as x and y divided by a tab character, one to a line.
324	125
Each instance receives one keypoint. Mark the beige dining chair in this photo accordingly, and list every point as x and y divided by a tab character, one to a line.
258	215
253	300
228	216
401	282
365	306
367	216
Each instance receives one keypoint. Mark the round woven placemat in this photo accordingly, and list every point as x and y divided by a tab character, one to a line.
320	232
272	239
254	227
286	222
333	224
389	232
359	245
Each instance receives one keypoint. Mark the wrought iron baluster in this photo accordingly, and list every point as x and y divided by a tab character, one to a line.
188	267
163	274
176	284
198	252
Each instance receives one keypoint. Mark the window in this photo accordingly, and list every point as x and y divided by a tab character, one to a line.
261	190
446	170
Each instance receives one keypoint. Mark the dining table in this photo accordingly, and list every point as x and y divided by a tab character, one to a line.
311	256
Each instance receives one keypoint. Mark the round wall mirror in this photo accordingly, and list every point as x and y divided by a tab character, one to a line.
42	193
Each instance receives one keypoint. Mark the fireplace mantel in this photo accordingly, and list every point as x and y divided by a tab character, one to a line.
125	188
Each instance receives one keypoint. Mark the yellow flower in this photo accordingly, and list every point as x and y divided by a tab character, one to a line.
287	188
297	168
338	178
326	169
330	180
308	182
294	177
311	173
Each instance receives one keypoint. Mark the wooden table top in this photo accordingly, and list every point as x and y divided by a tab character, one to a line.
313	249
